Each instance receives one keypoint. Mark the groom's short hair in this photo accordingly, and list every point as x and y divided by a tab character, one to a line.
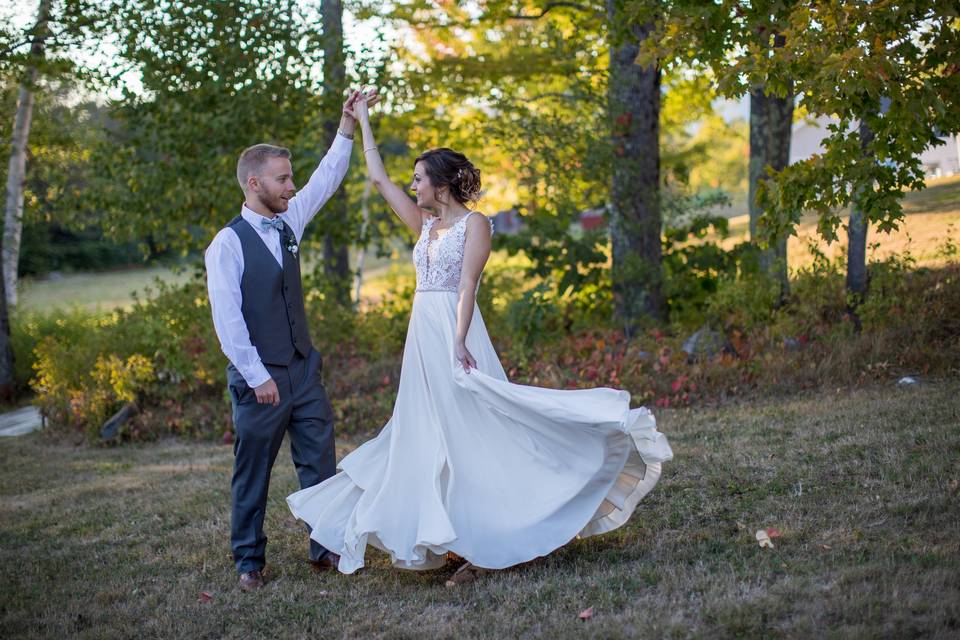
253	158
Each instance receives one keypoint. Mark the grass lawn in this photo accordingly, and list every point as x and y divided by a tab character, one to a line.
932	217
108	290
103	290
863	485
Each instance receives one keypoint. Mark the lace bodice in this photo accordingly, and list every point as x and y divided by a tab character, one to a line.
439	261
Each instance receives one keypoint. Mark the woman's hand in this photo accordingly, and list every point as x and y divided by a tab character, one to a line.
464	357
349	103
358	104
361	107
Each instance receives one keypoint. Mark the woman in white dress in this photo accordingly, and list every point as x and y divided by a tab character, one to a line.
469	463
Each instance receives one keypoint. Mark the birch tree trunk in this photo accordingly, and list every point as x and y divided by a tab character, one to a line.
16	169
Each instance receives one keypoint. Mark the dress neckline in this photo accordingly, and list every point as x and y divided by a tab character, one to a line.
433	220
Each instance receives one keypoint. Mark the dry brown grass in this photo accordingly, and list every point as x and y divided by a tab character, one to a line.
932	217
116	543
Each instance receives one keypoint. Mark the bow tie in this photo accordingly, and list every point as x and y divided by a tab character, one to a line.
275	222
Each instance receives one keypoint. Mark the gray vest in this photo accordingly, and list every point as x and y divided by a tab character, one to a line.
272	305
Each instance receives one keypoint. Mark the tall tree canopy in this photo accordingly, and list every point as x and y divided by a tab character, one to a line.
216	78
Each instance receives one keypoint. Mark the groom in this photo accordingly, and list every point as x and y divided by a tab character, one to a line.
253	279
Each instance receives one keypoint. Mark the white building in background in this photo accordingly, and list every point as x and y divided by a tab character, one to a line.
942	160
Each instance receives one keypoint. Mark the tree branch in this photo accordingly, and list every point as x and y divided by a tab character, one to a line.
547	8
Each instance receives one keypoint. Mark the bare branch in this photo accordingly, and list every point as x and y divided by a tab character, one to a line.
548	7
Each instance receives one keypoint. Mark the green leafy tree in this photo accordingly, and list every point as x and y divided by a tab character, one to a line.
724	150
34	57
888	73
729	40
26	56
216	78
524	88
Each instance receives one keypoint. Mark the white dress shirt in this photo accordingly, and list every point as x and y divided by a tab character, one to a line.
224	259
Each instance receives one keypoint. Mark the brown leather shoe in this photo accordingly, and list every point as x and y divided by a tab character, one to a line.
251	580
329	562
466	573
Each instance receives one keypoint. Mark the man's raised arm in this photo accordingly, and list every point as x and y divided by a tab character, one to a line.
327	176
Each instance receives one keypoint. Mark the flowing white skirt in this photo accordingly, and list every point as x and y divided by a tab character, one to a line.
498	473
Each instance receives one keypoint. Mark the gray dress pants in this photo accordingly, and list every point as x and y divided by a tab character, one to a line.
304	411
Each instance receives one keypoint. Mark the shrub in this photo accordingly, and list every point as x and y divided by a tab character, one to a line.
163	354
87	366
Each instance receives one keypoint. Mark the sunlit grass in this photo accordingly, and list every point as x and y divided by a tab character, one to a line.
121	542
93	291
931	224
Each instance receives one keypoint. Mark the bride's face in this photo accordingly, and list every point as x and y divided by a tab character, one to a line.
421	187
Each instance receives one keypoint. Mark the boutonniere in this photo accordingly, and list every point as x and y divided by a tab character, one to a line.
292	246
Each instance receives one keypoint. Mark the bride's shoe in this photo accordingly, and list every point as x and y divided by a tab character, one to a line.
466	573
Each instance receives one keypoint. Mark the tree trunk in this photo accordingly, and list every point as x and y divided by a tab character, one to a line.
362	251
336	256
635	229
6	348
771	124
16	171
771	120
857	230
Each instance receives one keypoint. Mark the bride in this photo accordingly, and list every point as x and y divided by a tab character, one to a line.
469	463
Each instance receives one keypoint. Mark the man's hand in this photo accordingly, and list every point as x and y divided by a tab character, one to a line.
348	104
368	96
267	393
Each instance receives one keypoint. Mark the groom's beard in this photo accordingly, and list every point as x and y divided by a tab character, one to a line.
276	203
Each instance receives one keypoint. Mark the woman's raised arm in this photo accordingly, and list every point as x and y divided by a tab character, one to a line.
396	197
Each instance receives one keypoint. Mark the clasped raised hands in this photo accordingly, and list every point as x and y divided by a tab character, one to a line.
359	102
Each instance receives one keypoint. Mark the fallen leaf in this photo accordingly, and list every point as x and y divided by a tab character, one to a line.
773	532
954	485
825	546
677	384
764	539
741	526
205	597
586	614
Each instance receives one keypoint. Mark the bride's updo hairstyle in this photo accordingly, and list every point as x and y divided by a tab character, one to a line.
449	168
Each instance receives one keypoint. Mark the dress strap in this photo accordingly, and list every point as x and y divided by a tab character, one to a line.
464	220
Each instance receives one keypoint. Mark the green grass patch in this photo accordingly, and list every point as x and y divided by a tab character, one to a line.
114	542
96	291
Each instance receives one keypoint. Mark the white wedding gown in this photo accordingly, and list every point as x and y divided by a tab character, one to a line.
498	473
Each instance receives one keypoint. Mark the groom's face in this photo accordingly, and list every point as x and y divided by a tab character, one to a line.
275	184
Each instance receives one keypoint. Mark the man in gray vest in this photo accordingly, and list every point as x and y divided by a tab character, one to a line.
253	279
